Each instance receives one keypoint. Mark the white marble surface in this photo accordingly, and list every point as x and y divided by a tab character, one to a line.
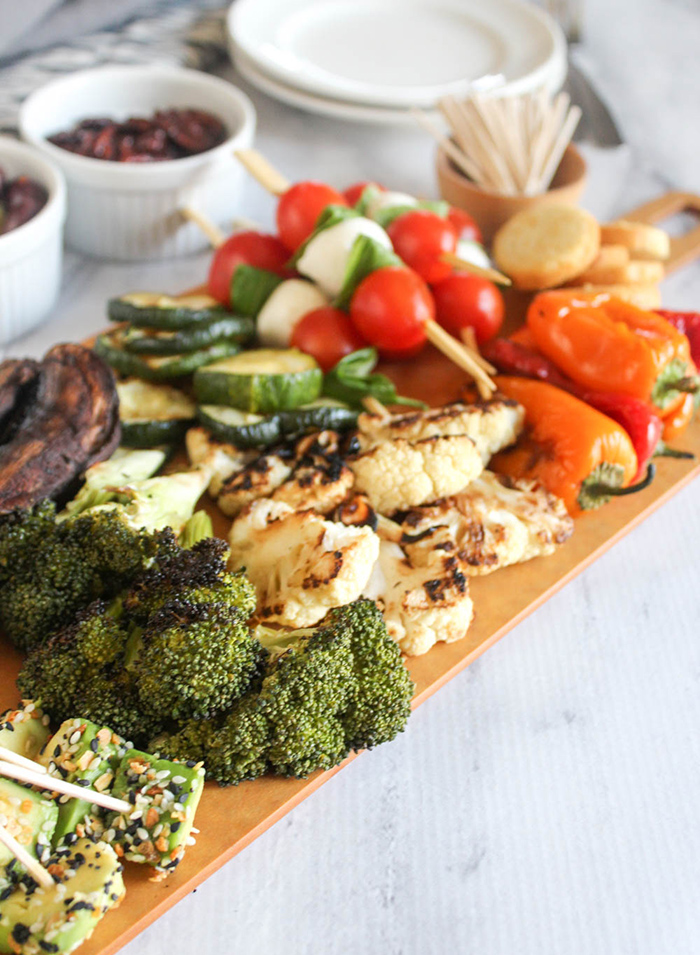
546	801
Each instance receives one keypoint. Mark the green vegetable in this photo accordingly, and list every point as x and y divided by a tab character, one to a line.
261	381
57	919
32	816
326	691
369	195
152	310
174	646
251	288
197	528
246	430
241	428
164	825
224	327
386	216
351	380
162	368
153	414
25	730
103	479
366	256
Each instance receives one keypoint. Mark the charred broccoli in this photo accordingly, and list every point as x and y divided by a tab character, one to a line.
326	691
175	646
91	556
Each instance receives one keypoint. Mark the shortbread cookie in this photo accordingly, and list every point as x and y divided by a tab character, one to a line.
643	241
546	245
634	272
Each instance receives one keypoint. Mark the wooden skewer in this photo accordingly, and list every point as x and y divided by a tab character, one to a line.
211	230
469	341
54	784
493	275
265	173
19	760
468	167
374	406
456	352
32	865
567	131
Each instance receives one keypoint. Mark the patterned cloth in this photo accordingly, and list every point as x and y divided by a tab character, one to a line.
170	35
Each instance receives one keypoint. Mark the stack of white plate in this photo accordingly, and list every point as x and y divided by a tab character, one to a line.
374	60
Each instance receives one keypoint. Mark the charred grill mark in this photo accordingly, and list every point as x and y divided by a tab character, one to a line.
313	581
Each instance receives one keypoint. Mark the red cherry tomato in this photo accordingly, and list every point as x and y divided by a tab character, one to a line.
327	334
352	193
390	309
463	300
421	238
464	225
299	208
244	248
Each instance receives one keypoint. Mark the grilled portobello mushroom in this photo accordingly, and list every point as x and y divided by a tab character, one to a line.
71	422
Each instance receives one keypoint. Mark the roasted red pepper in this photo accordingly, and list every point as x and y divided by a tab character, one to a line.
639	419
689	324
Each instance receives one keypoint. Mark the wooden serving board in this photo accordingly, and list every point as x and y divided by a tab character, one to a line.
230	819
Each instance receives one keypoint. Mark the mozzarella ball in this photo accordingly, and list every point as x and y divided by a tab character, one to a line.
325	258
289	302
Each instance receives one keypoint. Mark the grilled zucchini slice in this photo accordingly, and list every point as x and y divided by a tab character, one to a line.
158	367
152	414
153	341
263	381
153	310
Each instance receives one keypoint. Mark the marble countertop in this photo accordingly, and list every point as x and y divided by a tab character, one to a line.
545	801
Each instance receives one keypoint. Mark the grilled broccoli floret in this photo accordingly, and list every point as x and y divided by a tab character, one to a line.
339	687
197	656
21	535
200	573
88	557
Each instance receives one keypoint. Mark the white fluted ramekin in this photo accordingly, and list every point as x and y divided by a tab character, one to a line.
129	211
31	255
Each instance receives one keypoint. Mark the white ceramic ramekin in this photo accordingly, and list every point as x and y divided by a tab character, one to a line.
31	255
129	211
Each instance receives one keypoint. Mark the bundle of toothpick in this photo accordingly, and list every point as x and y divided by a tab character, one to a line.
511	144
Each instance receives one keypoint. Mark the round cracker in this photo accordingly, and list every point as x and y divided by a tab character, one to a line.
546	245
644	241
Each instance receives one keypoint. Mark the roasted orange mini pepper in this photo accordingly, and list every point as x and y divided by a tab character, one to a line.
579	454
606	344
678	418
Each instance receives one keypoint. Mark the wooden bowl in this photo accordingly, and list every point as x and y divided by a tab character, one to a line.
491	209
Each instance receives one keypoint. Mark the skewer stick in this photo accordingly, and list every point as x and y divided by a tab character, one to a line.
468	167
456	352
54	784
265	173
567	131
32	865
211	230
19	760
469	341
493	275
374	406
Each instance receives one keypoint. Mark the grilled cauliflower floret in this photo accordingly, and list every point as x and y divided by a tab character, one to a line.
492	523
321	485
491	425
258	479
399	474
300	565
221	459
424	599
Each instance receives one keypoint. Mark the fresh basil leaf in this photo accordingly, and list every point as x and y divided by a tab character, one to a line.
251	288
369	195
386	216
351	380
366	256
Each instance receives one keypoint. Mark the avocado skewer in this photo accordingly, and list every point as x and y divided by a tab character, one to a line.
32	865
54	784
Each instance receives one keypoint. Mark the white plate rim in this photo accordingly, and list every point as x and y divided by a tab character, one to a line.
346	91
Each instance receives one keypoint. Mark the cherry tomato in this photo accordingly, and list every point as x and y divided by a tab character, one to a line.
463	300
421	238
327	334
352	193
390	309
244	248
299	208
464	225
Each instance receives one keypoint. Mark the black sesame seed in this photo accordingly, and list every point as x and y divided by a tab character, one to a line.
174	826
94	744
48	946
21	933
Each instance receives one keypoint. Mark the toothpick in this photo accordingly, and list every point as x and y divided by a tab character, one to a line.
269	178
19	760
493	275
215	235
32	865
54	784
375	407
